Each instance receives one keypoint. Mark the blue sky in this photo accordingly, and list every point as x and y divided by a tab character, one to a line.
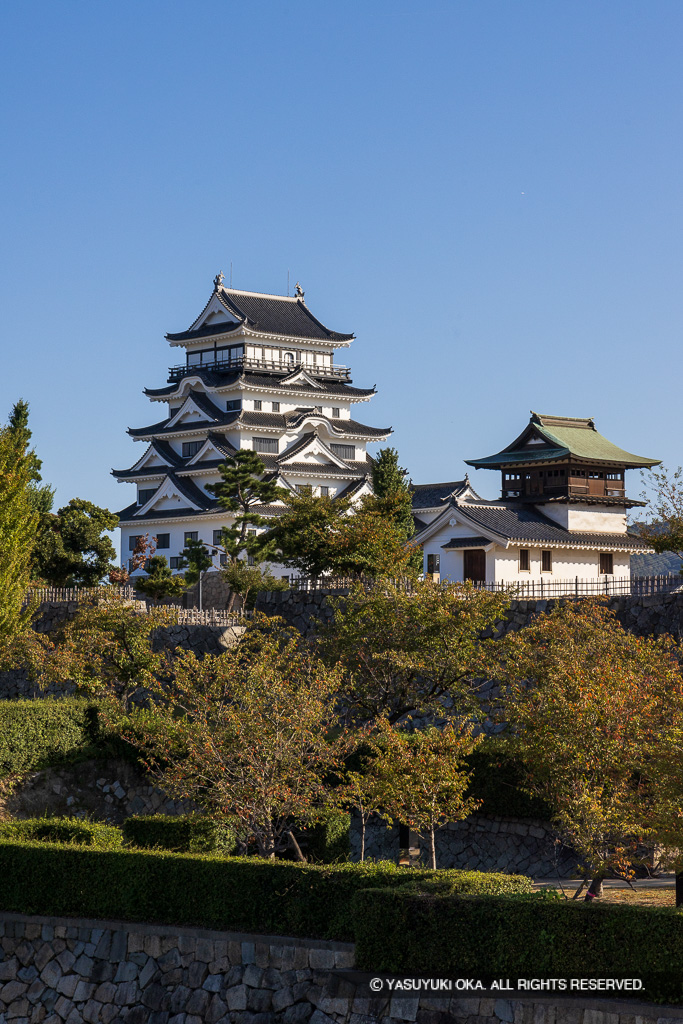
487	193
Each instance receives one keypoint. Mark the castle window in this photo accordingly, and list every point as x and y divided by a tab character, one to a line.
191	448
335	414
606	563
267	445
288	357
324	491
217	537
175	562
258	404
191	535
546	561
319	409
276	406
524	560
433	563
234	405
145	493
133	541
344	451
163	541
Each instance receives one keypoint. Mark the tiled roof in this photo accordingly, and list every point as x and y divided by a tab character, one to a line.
525	523
465	542
272	314
350	490
432	495
326	468
213	378
207	331
563	436
277	314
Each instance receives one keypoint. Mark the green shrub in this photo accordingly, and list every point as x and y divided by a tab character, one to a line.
39	733
204	890
327	841
62	830
186	833
519	937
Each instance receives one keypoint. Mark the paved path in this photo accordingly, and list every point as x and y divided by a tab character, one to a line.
662	882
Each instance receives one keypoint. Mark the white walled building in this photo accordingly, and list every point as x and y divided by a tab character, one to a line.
562	514
257	372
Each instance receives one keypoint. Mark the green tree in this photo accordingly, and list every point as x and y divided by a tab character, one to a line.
74	549
108	649
18	527
246	734
412	649
160	581
589	704
389	482
664	530
243	487
195	558
422	778
321	535
250	580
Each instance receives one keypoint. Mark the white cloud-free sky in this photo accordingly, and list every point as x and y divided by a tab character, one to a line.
487	193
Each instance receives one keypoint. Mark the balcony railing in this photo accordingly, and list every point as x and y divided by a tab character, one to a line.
176	373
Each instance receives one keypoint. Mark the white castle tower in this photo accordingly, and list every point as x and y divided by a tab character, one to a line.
258	373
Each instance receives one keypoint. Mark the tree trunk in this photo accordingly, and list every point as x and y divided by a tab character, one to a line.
297	849
679	889
595	888
432	848
362	838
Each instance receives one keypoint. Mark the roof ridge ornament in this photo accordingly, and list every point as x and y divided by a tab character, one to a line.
298	291
218	280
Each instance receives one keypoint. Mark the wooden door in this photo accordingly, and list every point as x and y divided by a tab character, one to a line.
475	565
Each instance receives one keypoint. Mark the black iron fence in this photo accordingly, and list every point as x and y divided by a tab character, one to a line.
540	589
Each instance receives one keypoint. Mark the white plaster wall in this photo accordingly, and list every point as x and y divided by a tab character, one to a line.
587	518
567	565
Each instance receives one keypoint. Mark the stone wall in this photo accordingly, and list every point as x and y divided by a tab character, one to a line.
650	615
56	970
480	843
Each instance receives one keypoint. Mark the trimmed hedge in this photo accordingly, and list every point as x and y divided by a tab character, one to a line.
62	830
184	833
235	893
519	937
39	733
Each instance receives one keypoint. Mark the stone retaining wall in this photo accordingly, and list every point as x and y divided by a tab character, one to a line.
511	845
57	970
654	614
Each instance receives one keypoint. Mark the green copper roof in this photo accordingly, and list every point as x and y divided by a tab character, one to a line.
560	437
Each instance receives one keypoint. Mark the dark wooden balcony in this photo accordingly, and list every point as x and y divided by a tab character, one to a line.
176	373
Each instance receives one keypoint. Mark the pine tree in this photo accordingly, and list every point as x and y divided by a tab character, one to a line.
389	483
241	490
18	526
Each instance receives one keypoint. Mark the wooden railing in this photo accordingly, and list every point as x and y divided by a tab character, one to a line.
176	373
60	595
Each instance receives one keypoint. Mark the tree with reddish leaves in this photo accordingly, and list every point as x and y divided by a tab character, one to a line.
589	704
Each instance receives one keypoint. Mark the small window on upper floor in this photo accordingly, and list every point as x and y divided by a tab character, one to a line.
191	448
319	409
546	561
335	413
217	537
132	541
258	404
145	493
324	491
606	563
524	560
288	357
163	541
234	405
267	445
276	406
191	535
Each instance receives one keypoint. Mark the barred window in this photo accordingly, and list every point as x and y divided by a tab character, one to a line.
546	561
344	451
524	560
191	448
265	444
